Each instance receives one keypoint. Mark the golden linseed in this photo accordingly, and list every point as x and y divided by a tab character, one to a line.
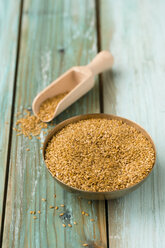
61	214
99	155
51	207
30	125
69	225
56	207
48	107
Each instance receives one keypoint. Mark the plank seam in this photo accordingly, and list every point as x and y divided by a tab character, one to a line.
11	123
101	101
98	28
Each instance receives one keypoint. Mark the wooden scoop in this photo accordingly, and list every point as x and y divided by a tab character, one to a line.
77	81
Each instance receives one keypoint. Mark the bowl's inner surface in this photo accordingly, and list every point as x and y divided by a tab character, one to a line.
99	153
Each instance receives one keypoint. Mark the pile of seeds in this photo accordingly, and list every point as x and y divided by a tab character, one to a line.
48	107
29	125
99	155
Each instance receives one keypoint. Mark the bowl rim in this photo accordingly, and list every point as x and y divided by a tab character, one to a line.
77	118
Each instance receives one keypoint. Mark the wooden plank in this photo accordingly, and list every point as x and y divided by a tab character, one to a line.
134	32
9	18
55	36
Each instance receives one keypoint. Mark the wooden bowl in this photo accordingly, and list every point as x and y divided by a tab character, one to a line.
98	195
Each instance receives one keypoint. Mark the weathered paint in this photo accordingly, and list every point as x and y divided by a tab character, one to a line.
9	20
55	36
135	89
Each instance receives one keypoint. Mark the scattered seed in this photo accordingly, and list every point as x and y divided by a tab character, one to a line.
75	223
38	138
18	113
39	211
54	196
83	213
89	202
61	214
69	225
86	214
51	207
43	199
85	245
30	125
27	149
92	220
64	225
62	205
31	212
34	217
56	207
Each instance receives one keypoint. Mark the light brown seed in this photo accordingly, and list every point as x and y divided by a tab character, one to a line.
55	196
86	214
103	155
31	212
48	107
56	207
85	245
27	149
69	225
43	199
34	217
38	138
62	205
89	202
51	207
30	125
92	220
39	211
61	214
64	225
83	213
75	223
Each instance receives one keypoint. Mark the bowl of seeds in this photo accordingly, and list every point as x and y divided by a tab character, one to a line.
99	156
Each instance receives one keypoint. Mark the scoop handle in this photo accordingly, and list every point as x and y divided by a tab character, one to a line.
102	62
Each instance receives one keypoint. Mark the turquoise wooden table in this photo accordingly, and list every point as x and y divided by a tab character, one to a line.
39	40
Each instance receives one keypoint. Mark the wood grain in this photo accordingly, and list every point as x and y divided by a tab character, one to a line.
55	36
135	89
9	15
